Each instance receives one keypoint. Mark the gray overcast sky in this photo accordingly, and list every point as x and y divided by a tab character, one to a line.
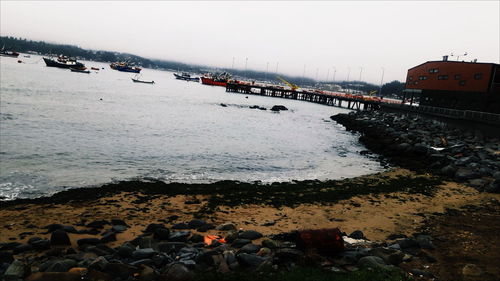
321	35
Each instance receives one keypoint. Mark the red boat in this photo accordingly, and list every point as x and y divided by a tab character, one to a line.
210	81
216	79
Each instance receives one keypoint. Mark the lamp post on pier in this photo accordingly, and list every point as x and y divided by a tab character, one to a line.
381	82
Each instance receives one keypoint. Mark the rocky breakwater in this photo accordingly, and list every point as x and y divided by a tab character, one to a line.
182	252
424	144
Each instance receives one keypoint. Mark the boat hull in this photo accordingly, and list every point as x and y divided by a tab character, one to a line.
13	55
125	68
209	81
140	81
53	63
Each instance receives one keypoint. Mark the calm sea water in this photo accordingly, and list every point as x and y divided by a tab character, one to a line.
60	129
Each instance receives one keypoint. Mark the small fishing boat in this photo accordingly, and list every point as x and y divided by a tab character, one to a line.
5	53
63	62
186	77
216	79
125	67
94	68
141	81
80	70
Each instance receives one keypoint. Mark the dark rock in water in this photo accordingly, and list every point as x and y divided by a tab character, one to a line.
180	226
167	247
161	234
119	228
223	105
143	253
238	243
205	227
250	260
120	269
250	248
153	226
196	238
22	248
278	108
289	254
60	238
6	257
179	236
358	234
118	222
88	241
108	237
194	224
177	272
98	224
15	271
250	234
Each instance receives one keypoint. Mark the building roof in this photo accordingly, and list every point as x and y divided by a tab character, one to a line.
458	62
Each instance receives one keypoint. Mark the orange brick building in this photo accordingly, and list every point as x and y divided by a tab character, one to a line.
456	85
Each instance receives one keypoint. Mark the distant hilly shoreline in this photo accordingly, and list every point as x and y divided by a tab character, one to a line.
44	48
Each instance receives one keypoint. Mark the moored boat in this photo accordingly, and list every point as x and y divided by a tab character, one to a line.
142	81
125	67
63	62
186	76
5	53
217	79
94	68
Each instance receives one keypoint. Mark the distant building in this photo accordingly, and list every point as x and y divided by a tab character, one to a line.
457	85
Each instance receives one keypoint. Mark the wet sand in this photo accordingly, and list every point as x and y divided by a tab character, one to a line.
377	215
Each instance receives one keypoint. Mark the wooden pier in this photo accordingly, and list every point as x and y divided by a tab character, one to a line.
356	102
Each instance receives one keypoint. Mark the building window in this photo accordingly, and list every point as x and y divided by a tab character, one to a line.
442	77
415	83
423	77
457	76
478	76
433	70
410	78
461	83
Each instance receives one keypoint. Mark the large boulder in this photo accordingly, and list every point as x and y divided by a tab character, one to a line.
60	238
